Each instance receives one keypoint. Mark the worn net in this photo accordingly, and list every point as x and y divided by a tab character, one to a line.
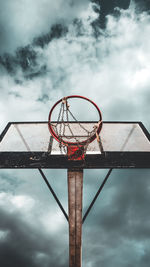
75	146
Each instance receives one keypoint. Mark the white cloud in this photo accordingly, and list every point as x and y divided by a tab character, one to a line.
16	202
113	70
21	20
33	213
23	202
51	220
3	235
105	69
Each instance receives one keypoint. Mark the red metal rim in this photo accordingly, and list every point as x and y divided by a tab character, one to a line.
88	140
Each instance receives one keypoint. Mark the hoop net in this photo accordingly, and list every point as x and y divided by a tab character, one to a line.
71	143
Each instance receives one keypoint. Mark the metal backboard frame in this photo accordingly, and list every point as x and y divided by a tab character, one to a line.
30	145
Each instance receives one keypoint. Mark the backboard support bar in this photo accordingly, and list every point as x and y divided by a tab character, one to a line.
106	160
96	195
53	193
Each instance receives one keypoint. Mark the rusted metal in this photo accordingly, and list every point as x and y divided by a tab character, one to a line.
36	160
75	186
76	152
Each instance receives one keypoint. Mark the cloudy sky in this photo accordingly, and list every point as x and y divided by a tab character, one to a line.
50	49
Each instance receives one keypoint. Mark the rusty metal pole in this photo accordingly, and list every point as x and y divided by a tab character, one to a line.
75	186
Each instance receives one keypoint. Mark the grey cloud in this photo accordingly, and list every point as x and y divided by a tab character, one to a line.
111	69
28	245
117	230
21	21
30	183
108	7
25	58
142	5
114	68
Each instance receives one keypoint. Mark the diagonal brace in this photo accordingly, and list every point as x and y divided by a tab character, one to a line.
43	175
98	192
53	193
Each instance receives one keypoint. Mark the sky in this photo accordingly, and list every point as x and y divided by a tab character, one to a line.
48	50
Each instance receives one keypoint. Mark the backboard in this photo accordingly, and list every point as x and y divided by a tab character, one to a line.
30	145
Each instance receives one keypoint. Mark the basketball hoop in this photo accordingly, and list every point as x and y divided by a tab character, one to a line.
70	143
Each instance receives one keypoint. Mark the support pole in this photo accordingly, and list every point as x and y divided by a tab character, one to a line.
75	186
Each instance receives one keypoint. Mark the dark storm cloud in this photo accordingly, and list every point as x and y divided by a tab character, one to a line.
25	243
142	5
114	66
26	57
21	21
16	16
118	226
113	70
108	7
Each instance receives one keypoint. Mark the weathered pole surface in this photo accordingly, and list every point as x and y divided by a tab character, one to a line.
75	186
